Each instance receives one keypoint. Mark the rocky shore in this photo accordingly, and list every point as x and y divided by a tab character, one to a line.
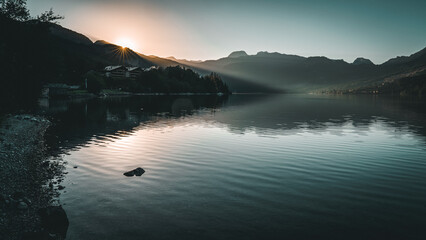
29	182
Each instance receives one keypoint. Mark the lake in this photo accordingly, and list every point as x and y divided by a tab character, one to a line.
242	167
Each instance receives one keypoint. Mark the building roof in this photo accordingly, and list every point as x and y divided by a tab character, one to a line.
60	85
130	69
150	68
112	68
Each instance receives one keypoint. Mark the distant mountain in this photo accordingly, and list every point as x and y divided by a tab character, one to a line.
102	43
117	55
67	34
237	54
417	59
52	53
291	73
265	71
127	56
158	61
34	53
362	61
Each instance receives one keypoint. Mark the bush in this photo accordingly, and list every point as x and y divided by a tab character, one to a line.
95	82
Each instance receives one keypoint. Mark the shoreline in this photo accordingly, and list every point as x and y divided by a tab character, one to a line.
26	177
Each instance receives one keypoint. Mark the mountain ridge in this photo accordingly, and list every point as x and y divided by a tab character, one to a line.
281	72
72	54
237	54
300	74
361	61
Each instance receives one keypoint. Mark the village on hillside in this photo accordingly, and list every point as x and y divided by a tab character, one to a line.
130	80
113	72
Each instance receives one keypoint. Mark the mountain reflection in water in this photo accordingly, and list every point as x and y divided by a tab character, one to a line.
242	167
79	120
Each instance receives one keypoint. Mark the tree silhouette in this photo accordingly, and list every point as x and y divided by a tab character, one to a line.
49	16
15	9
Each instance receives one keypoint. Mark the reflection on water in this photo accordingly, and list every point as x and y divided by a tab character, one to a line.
243	167
77	121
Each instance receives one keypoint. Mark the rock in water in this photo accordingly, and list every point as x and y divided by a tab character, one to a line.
54	220
138	172
129	174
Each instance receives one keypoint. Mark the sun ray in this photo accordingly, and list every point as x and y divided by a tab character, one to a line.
126	43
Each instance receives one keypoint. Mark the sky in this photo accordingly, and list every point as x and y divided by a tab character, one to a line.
201	30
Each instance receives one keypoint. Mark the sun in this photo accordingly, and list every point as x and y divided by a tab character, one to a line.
125	43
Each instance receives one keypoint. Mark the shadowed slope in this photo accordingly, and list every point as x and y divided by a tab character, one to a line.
295	73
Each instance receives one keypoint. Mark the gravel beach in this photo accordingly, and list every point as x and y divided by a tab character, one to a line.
27	178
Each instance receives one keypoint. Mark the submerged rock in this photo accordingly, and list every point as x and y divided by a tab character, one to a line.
138	172
54	220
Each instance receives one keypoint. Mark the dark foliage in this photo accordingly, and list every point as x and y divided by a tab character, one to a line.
22	66
15	9
414	86
170	80
49	16
95	82
31	56
407	86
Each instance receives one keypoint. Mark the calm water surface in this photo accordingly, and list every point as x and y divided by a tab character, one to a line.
243	167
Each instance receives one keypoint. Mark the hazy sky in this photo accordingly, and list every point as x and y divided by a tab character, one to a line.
198	29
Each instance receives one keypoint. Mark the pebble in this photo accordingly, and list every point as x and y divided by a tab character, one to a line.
18	195
46	164
22	206
27	200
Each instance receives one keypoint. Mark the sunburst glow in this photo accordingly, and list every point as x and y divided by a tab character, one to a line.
126	43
